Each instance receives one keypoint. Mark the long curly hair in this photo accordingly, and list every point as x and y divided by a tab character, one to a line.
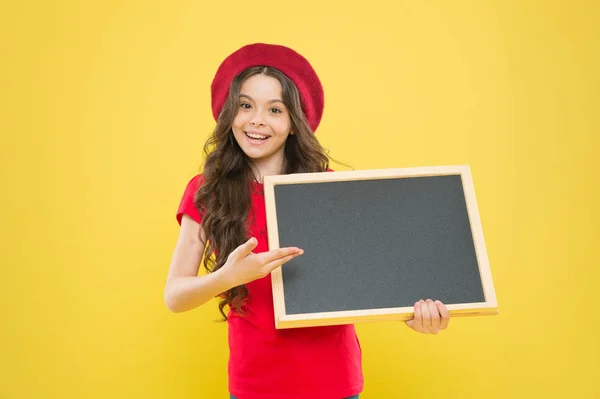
224	199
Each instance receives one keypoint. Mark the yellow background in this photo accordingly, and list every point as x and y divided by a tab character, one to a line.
105	107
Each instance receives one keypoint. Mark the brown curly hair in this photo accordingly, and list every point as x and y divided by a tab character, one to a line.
224	197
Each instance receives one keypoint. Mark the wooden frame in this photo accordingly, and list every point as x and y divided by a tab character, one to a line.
283	320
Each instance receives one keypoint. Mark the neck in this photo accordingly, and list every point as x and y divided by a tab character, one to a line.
267	167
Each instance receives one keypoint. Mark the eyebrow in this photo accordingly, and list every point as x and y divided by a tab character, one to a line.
276	100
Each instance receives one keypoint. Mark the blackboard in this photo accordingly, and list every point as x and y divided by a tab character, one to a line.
375	242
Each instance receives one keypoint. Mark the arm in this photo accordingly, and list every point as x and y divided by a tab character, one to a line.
185	290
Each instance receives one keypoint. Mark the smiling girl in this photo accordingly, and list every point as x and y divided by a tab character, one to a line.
268	102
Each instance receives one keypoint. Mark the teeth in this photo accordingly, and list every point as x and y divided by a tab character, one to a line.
256	136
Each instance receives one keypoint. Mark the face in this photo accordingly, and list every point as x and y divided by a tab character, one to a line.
262	124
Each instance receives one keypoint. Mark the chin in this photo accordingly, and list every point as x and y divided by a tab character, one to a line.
257	157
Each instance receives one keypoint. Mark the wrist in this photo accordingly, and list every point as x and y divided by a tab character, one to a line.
225	279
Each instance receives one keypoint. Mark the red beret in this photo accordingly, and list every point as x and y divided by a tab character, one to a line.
286	60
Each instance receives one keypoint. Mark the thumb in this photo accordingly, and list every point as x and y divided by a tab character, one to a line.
246	248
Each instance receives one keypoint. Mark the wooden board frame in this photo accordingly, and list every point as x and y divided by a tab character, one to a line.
283	320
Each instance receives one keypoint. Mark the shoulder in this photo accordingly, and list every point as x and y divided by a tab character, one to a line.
196	181
187	203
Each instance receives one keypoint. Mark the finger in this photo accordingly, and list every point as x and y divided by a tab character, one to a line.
245	249
417	321
274	264
444	313
426	317
280	253
435	316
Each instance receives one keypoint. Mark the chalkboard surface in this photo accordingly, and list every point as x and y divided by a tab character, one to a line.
374	243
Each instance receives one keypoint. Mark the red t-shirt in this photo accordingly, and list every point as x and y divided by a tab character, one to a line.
266	363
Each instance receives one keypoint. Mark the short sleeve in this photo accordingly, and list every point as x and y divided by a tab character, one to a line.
187	206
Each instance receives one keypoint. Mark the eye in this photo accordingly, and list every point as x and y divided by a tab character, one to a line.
276	110
245	105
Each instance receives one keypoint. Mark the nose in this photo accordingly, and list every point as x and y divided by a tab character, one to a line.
257	119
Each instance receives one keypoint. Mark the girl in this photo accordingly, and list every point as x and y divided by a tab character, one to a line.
267	101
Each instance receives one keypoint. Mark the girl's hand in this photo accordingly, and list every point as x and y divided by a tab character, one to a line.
430	317
243	266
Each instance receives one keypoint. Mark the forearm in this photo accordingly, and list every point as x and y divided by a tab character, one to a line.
187	293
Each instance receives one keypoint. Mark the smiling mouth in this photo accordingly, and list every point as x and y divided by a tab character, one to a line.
255	136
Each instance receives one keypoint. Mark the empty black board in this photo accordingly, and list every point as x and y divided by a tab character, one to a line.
373	244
